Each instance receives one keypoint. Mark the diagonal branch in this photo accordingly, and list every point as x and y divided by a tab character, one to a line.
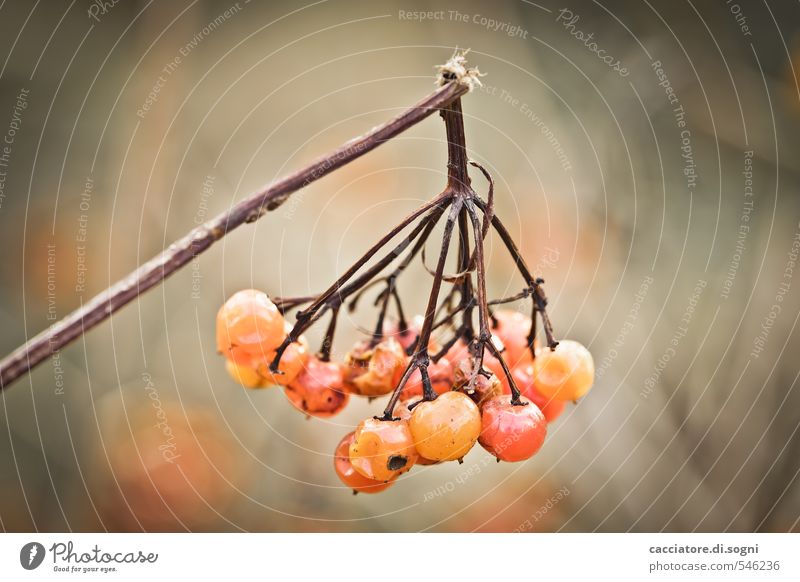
182	251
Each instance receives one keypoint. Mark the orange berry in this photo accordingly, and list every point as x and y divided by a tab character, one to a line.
318	390
564	374
247	377
401	411
249	327
374	371
550	407
445	429
382	449
293	361
349	476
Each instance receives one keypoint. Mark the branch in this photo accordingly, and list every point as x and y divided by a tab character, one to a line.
182	251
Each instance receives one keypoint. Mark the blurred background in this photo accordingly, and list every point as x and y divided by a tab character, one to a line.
645	158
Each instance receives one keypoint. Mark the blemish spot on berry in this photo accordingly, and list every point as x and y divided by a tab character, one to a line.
396	462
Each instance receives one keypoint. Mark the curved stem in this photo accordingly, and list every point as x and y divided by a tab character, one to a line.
539	297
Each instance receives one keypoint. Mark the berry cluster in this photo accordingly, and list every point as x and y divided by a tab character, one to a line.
473	399
488	381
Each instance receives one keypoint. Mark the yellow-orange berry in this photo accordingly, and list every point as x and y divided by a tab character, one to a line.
382	449
348	475
247	377
293	361
374	371
249	327
567	373
445	429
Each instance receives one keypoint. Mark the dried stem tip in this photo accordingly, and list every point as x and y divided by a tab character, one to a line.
456	70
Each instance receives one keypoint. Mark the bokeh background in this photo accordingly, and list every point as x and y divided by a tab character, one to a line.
682	282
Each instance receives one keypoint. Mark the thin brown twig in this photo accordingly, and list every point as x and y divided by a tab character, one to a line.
182	251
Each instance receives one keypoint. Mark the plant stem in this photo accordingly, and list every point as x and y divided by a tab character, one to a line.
182	251
535	284
457	176
421	359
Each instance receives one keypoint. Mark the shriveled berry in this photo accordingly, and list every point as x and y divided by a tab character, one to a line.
460	352
374	371
318	390
482	389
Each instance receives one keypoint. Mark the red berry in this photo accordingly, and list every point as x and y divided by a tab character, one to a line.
550	407
318	389
348	475
512	432
382	449
249	327
566	373
513	328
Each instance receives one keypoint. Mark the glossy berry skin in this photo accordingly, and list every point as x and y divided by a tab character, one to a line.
374	371
247	377
382	449
318	390
293	361
550	407
513	327
564	374
445	429
512	432
348	475
441	375
401	411
249	327
482	390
